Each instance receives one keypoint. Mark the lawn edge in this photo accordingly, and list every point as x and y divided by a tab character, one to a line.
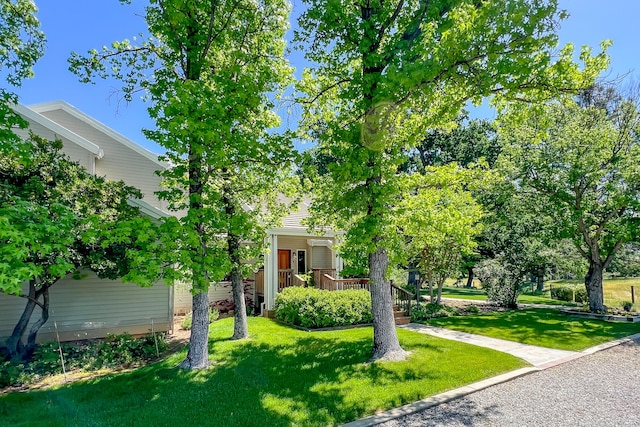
447	396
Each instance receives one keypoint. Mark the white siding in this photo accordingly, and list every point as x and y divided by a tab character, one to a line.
182	295
119	162
92	307
71	149
321	257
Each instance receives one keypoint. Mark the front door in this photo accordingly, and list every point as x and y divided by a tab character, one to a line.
284	259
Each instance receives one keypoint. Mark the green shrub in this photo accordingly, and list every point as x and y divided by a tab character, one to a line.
581	295
214	314
627	306
562	293
315	308
424	312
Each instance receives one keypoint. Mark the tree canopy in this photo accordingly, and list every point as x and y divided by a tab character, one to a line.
57	219
582	160
387	72
212	70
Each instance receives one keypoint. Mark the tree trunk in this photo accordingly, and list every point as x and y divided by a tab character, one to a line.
540	280
198	355
439	296
240	327
593	284
16	347
385	338
469	277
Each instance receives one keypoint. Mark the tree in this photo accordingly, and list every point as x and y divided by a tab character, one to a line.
211	70
582	160
440	219
56	219
21	45
467	143
388	71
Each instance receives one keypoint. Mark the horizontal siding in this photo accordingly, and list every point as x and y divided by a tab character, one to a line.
321	257
119	162
183	298
93	304
71	149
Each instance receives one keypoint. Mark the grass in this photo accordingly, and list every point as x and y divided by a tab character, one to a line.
616	291
479	295
279	377
541	327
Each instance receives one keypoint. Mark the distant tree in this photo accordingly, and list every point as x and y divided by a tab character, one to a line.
211	70
468	142
626	263
388	71
440	219
582	160
56	219
21	45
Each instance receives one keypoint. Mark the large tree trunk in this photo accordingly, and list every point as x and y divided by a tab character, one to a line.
198	355
593	284
469	277
240	327
16	347
385	339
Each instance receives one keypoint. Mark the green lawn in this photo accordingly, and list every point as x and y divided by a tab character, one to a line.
279	377
479	295
616	291
542	327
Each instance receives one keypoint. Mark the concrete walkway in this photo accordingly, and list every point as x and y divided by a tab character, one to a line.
537	356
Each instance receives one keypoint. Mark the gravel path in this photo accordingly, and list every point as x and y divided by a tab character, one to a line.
602	389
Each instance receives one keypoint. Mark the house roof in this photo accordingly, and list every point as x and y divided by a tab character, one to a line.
33	115
73	111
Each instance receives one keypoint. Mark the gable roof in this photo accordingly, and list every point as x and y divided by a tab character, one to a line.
73	111
33	115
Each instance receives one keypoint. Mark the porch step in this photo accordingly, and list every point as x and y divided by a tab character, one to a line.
397	313
403	320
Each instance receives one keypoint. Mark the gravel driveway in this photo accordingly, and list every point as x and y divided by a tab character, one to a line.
602	389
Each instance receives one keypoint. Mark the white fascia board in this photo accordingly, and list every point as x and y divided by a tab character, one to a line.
31	114
148	209
301	232
65	106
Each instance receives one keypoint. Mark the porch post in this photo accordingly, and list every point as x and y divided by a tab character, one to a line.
271	276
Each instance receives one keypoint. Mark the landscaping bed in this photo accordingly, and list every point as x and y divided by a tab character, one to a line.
616	316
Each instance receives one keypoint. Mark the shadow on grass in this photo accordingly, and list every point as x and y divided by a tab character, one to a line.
313	379
542	327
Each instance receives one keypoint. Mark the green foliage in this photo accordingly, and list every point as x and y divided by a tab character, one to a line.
579	160
423	312
627	306
500	282
55	219
562	293
214	314
315	308
115	351
21	45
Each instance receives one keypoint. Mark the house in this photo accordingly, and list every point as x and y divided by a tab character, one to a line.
93	307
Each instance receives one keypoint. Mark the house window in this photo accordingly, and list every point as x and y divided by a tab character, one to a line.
302	261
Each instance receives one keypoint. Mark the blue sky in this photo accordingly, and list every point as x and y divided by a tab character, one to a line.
80	25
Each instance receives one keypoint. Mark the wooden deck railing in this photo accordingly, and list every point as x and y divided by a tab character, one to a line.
318	273
330	283
401	298
298	281
284	278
